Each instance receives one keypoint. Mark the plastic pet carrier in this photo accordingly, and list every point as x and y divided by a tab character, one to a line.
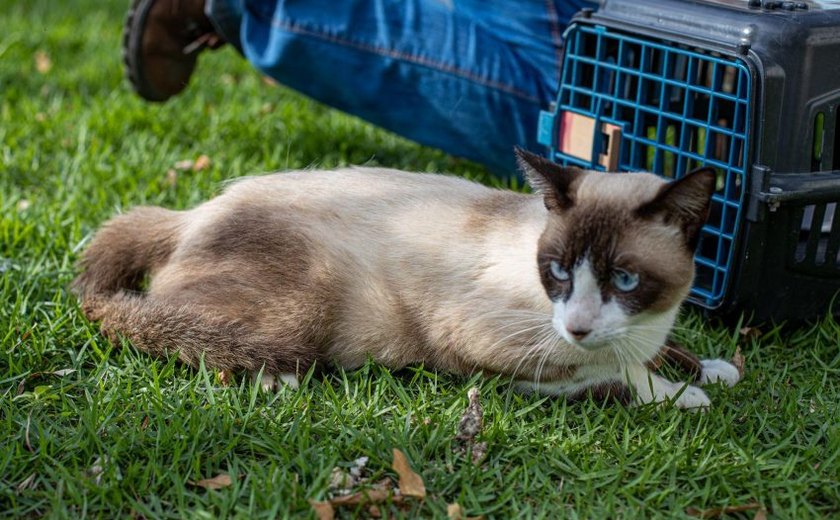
750	88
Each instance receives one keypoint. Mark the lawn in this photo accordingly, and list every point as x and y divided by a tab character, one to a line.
95	429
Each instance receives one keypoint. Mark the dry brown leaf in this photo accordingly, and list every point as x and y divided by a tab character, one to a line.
145	423
761	514
717	512
202	163
43	64
738	361
323	510
269	81
222	480
225	377
454	512
749	332
374	511
411	484
25	484
367	495
186	164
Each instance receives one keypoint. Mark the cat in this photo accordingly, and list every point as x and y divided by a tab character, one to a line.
570	291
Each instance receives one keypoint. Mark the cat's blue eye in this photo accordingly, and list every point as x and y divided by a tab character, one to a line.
624	281
558	272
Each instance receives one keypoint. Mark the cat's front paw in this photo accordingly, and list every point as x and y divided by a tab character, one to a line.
718	371
693	398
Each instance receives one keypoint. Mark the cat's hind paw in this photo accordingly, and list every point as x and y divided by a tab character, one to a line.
270	383
718	371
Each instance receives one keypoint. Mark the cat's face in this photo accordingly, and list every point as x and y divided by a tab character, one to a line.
616	257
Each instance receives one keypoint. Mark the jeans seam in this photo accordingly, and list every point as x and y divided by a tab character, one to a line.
407	57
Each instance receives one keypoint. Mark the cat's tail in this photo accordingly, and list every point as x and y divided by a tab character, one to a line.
122	253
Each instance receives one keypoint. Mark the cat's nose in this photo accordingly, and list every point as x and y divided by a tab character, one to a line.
578	334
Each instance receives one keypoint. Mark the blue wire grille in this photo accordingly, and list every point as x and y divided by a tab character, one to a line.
678	108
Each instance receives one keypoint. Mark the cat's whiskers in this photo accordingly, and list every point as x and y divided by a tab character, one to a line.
536	328
541	340
631	342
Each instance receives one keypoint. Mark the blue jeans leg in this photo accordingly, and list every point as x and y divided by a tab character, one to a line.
468	77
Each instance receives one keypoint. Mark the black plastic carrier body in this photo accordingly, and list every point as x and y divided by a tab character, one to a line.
750	88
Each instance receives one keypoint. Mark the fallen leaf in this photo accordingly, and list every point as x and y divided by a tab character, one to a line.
186	164
411	484
761	514
225	377
749	332
145	423
323	510
374	511
202	163
362	497
222	480
717	512
269	81
63	372
738	361
26	483
43	64
454	512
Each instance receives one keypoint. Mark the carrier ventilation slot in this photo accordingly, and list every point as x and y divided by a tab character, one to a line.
819	239
818	245
676	108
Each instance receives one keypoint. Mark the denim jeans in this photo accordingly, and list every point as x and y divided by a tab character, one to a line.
466	76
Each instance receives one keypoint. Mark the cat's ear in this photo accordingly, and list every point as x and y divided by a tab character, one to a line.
684	203
551	180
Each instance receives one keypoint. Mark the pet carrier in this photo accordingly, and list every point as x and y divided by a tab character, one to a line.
750	88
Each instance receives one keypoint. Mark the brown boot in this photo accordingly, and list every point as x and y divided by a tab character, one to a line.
161	42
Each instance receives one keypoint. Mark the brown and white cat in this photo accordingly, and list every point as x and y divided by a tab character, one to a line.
568	291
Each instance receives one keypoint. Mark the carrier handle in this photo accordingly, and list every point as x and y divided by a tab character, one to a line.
769	189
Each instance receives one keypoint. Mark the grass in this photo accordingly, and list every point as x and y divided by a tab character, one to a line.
76	145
